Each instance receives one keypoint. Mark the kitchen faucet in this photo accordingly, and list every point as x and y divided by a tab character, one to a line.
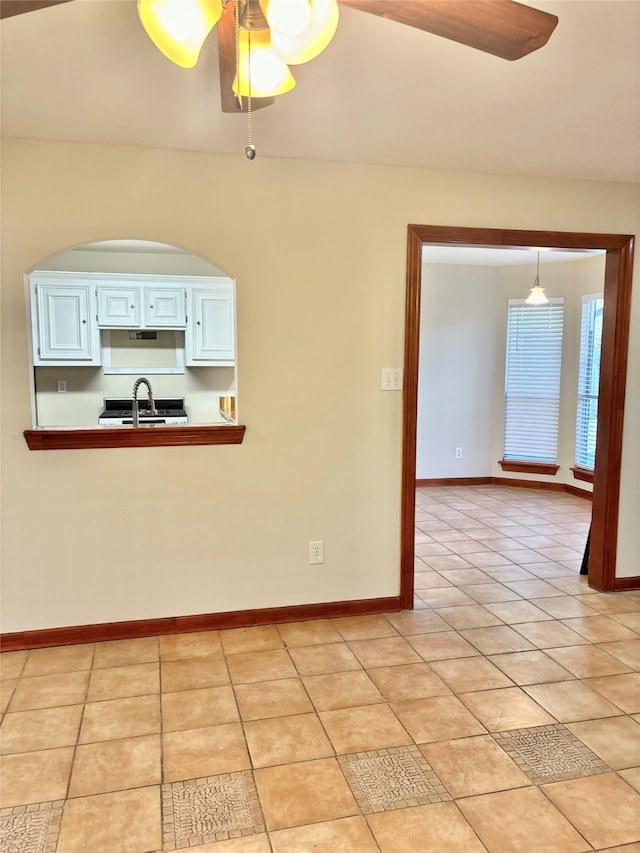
135	407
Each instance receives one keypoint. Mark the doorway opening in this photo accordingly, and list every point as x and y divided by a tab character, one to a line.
613	371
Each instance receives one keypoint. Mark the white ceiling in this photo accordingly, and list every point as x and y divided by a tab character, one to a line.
499	256
381	93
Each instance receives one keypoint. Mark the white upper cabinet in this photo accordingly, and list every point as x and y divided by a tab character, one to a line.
70	310
64	331
136	306
164	308
118	306
210	335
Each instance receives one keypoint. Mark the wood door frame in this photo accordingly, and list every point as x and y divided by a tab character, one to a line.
613	372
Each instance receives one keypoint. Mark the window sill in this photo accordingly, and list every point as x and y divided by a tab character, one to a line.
583	474
523	466
78	438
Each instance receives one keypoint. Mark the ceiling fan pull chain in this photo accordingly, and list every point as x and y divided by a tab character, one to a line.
250	148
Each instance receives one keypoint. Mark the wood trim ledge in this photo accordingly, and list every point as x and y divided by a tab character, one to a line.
524	467
582	474
106	631
72	438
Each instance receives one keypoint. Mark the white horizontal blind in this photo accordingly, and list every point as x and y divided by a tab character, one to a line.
589	380
532	380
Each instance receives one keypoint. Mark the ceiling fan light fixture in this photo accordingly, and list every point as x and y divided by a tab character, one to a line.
264	74
296	49
178	28
289	17
537	296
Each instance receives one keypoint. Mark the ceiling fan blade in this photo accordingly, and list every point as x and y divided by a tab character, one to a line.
501	27
227	58
9	8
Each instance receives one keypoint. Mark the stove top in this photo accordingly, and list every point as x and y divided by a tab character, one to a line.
120	408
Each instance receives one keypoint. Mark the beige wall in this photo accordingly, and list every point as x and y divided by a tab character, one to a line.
318	252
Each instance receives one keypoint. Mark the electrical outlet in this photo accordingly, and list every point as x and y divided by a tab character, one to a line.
391	379
316	553
458	453
62	386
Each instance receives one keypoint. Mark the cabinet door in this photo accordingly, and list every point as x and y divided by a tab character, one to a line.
66	332
210	337
164	308
118	307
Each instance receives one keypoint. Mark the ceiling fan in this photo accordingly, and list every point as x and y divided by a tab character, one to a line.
503	28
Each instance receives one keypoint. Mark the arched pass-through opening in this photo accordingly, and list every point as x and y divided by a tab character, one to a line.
613	372
105	312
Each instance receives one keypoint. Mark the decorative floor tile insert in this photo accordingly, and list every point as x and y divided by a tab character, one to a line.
31	829
214	808
550	754
395	778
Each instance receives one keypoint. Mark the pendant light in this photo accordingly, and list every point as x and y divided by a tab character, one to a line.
537	296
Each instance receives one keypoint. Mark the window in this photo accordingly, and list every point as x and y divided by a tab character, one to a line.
589	380
532	381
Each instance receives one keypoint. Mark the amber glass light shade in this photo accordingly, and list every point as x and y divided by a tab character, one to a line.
266	71
296	48
289	17
179	28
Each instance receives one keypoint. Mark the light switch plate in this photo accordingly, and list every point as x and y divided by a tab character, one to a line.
391	379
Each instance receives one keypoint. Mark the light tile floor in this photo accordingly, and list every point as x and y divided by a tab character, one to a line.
502	714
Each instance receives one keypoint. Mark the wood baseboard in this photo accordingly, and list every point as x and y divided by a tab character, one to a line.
506	481
136	629
456	481
622	584
577	492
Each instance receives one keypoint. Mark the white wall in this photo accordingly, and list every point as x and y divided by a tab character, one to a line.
87	387
318	252
459	319
168	261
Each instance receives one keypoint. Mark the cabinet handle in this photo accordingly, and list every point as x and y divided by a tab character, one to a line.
132	306
84	321
150	306
198	323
